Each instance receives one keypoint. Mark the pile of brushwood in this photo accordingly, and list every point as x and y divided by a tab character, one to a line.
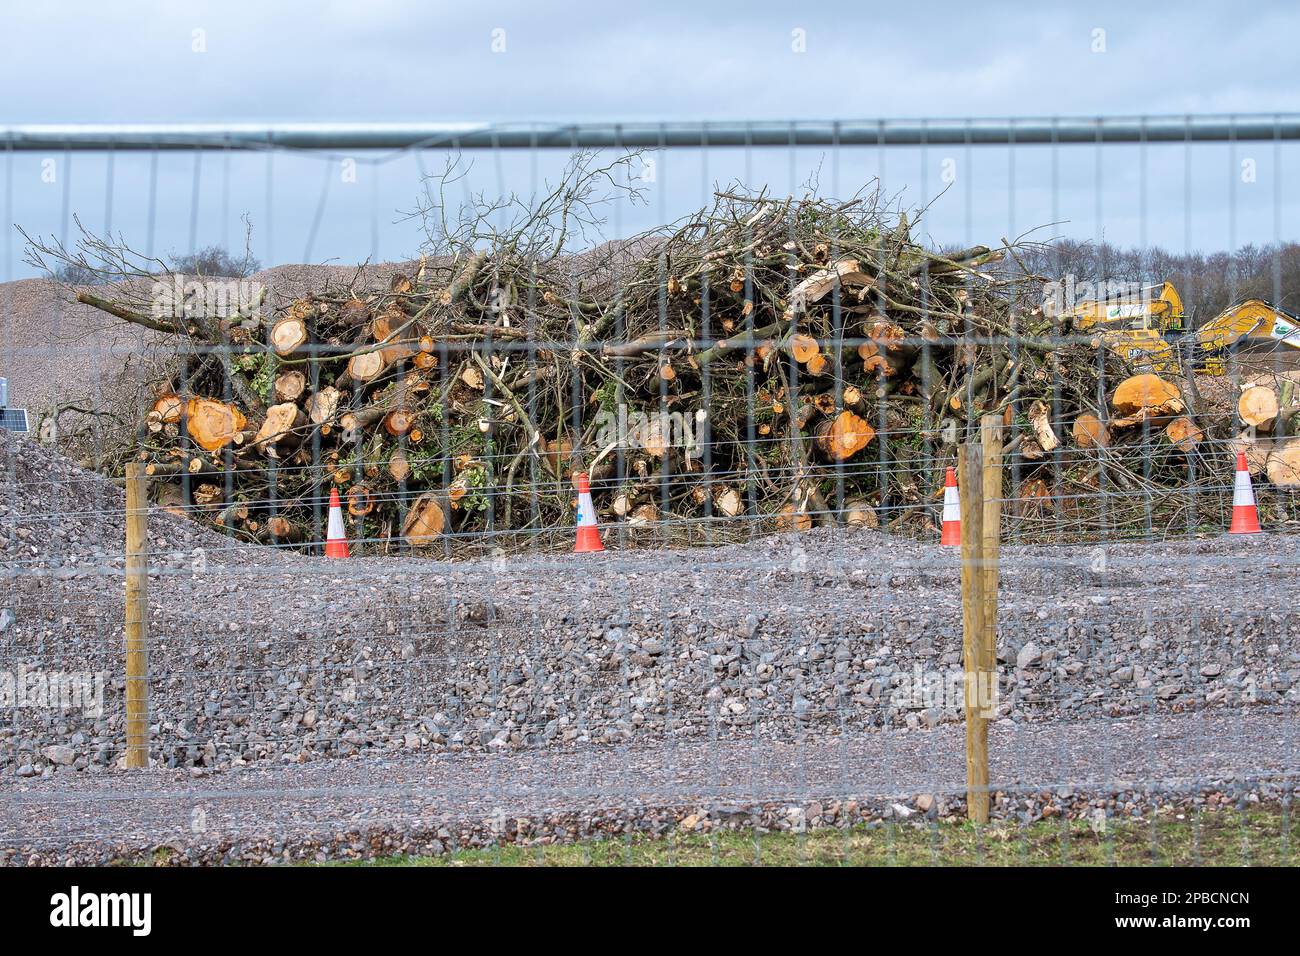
766	363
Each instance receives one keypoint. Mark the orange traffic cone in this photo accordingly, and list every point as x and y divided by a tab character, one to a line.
951	535
588	533
336	540
1245	517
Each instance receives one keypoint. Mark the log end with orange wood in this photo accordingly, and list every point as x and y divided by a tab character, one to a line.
213	424
842	437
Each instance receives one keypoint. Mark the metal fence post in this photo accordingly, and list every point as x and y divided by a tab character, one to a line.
137	617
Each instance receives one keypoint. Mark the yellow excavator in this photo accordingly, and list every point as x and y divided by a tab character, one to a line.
1146	328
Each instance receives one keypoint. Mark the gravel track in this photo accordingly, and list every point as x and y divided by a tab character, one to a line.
339	709
434	803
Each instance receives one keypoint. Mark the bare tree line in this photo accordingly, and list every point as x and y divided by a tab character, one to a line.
1207	282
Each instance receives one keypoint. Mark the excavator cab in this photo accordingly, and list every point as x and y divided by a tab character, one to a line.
1136	326
1147	330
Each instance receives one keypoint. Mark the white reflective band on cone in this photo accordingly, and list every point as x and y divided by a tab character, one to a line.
586	510
1242	492
336	524
951	505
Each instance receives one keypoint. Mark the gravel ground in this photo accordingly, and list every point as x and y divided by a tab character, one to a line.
435	803
259	655
598	693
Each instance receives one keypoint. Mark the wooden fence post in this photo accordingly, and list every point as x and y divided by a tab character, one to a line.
970	480
991	439
137	617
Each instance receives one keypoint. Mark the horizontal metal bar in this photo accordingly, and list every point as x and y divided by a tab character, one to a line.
885	132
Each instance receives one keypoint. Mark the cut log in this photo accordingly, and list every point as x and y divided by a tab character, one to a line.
556	454
891	339
859	514
878	360
197	465
727	501
1089	432
398	465
1183	434
875	362
354	313
825	403
428	519
213	424
790	518
471	476
289	386
1031	450
1034	494
1283	465
1256	450
472	377
283	531
388	323
280	427
842	437
366	366
651	342
289	335
397	351
360	500
656	435
169	409
323	405
1258	406
1146	396
1040	420
233	514
354	424
399	421
644	514
804	347
846	272
209	495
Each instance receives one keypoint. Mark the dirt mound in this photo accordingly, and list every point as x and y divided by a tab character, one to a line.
55	514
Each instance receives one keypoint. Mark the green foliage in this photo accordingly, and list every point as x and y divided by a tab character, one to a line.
475	480
259	368
607	397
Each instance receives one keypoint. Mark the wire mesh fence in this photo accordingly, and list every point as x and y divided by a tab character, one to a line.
766	661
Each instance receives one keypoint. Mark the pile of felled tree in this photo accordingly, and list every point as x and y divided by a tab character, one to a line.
769	363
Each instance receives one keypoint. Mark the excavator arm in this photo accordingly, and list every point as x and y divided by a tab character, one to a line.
1252	321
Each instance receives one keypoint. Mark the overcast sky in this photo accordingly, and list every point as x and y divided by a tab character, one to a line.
516	61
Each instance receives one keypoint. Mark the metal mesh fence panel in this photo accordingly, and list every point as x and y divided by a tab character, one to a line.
764	663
